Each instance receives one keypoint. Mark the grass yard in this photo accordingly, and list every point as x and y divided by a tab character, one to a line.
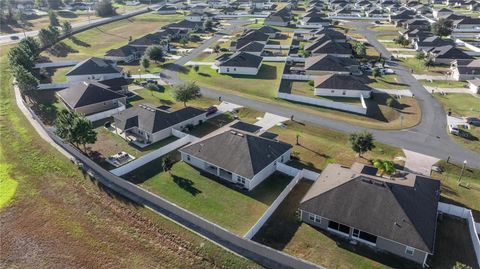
466	195
388	82
235	210
206	57
8	185
64	213
304	89
463	105
444	83
418	67
97	41
285	39
211	125
264	84
59	74
320	146
134	68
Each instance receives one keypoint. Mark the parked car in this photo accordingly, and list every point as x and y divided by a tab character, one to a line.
388	71
212	110
453	129
152	81
473	121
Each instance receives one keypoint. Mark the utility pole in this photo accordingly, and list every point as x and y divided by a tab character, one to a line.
461	173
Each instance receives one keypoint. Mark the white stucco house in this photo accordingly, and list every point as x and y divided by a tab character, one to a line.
93	68
239	157
335	85
239	63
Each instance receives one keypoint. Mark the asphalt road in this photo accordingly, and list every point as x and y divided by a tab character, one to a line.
429	137
16	37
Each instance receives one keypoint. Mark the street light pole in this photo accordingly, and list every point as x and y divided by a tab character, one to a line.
461	173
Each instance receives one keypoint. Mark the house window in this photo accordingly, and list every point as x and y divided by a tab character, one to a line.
339	227
364	236
344	92
356	233
311	217
188	157
228	69
234	69
332	91
240	179
318	219
409	251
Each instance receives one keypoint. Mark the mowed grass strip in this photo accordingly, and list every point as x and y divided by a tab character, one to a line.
234	209
97	41
264	84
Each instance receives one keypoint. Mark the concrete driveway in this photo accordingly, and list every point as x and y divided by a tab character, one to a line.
419	163
269	120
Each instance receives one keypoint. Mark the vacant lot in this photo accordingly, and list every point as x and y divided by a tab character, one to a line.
444	83
57	212
97	41
463	105
218	201
418	67
264	84
388	82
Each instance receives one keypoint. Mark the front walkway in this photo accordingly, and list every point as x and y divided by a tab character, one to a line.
269	120
419	163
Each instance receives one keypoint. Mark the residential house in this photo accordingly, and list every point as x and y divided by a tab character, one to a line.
166	9
249	36
474	85
270	31
327	64
91	97
440	13
403	15
462	70
446	54
239	63
145	124
466	24
254	47
93	68
314	22
335	85
416	24
430	42
397	215
279	18
189	26
330	47
124	54
237	156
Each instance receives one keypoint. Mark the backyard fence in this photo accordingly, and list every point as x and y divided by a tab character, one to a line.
274	58
287	169
324	103
464	213
53	86
56	64
122	170
297	77
105	114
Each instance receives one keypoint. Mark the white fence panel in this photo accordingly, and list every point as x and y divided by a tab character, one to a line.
296	59
310	175
286	169
268	213
53	86
277	47
464	213
296	77
105	114
274	58
151	156
56	64
319	102
178	133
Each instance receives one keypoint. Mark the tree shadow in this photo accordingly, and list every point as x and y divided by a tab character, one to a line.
323	155
204	74
79	42
61	50
186	184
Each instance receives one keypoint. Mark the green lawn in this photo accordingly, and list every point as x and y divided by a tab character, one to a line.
264	84
444	83
206	57
387	82
8	185
134	68
463	105
236	210
97	41
211	125
304	89
59	74
418	67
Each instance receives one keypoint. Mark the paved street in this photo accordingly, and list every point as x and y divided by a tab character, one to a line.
429	137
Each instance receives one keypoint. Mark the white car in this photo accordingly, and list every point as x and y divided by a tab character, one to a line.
453	129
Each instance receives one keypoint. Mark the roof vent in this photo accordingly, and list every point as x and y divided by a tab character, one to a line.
233	132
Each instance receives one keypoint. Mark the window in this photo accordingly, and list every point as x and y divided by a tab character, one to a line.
228	69
188	157
332	91
356	233
240	179
339	227
344	92
311	217
318	219
409	251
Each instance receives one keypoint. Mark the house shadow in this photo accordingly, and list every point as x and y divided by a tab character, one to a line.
61	50
66	14
43	104
204	74
319	154
79	42
186	184
267	72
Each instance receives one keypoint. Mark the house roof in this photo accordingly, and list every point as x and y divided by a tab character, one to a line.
152	119
254	46
115	84
87	93
268	30
250	36
402	209
343	82
325	62
246	127
247	154
242	59
186	24
449	52
93	66
166	8
123	51
332	47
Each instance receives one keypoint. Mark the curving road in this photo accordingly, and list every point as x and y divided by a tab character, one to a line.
429	137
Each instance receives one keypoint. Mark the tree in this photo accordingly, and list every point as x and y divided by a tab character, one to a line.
361	142
196	68
359	49
105	9
187	92
207	24
52	17
167	165
183	41
154	53
428	61
306	53
145	63
67	28
420	55
31	46
74	129
26	81
442	27
17	56
384	167
216	48
376	72
402	40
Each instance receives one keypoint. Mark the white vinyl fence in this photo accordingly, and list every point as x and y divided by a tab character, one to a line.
297	77
324	103
291	171
56	64
53	86
105	114
122	170
274	58
277	47
464	213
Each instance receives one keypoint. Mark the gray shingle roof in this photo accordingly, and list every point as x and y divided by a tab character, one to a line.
93	66
152	119
87	93
254	46
395	211
242	59
344	82
327	62
240	153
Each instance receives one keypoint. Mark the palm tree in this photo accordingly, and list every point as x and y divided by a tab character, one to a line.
384	167
167	165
